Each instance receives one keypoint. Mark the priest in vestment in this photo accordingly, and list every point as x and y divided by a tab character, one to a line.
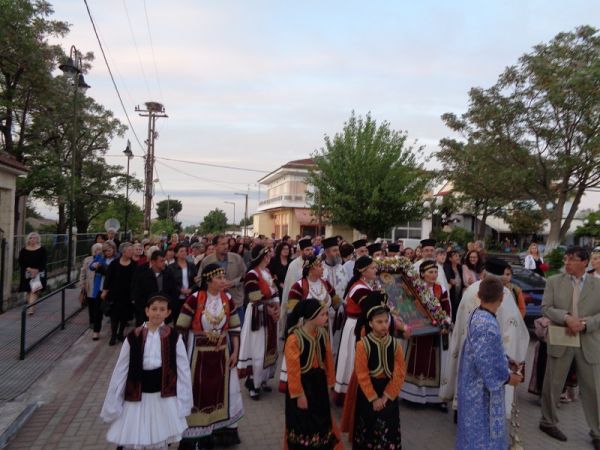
484	371
515	336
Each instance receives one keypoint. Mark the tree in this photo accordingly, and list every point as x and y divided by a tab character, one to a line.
214	222
591	226
368	178
541	124
116	209
164	227
246	223
168	209
524	219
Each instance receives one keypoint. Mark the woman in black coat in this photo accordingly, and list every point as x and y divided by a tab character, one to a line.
453	271
184	273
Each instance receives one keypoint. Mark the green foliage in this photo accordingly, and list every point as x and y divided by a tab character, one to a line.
116	209
461	236
166	227
168	209
368	178
538	129
214	222
555	258
524	219
248	222
591	226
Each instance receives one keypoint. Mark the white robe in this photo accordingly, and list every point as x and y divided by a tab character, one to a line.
154	421
336	275
515	339
294	273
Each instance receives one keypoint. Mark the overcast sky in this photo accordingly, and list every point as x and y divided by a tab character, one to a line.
255	84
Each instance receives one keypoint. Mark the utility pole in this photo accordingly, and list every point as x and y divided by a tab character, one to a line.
153	111
245	214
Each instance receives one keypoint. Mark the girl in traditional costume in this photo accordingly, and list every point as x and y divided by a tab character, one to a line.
427	355
150	391
359	286
258	343
308	420
379	366
210	319
311	285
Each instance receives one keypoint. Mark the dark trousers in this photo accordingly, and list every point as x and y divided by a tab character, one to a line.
117	325
95	313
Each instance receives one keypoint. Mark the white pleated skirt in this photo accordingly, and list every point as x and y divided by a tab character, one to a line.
151	423
345	359
252	350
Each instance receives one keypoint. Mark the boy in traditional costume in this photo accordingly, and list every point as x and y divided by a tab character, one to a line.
372	410
258	342
308	420
150	390
483	372
210	319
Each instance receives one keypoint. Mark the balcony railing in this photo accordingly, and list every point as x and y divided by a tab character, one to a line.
283	198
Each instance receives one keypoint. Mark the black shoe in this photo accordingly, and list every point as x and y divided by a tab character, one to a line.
113	341
443	407
265	387
553	432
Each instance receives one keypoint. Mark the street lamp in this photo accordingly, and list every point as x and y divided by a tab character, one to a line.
232	203
245	214
129	155
73	68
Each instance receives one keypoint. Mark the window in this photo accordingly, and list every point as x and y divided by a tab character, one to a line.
410	230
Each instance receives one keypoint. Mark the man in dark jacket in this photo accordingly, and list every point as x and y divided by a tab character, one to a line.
151	280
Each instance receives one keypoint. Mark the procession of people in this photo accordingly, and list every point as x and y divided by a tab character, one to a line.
330	334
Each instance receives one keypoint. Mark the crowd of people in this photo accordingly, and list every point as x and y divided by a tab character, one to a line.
210	315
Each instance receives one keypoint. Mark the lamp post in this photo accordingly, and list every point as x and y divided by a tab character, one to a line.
73	68
129	155
232	203
245	214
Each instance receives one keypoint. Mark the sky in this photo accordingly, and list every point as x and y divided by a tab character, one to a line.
254	84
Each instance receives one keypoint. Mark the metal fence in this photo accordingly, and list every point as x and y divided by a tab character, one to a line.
56	246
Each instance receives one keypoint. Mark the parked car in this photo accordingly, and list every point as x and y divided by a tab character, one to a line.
533	287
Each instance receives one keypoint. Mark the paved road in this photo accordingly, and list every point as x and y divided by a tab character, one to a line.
69	419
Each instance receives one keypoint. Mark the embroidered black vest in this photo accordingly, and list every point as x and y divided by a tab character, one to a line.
168	350
309	345
380	354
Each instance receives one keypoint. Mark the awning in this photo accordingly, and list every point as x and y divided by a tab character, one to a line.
304	217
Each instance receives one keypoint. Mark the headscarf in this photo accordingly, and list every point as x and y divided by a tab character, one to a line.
374	303
305	309
360	266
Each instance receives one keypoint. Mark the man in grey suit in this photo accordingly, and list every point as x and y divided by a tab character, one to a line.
572	300
232	264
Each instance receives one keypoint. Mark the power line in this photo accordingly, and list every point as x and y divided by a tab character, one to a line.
112	77
213	165
152	48
136	48
198	163
201	178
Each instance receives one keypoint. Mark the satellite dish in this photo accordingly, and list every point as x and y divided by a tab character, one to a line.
112	223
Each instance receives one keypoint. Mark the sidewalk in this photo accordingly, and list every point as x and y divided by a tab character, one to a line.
70	420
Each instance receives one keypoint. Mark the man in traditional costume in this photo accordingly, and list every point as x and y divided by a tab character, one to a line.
294	273
375	250
211	324
483	373
360	249
427	252
393	250
515	336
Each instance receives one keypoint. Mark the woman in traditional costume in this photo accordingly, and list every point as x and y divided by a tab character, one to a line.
372	410
359	286
426	355
308	420
150	391
210	320
258	342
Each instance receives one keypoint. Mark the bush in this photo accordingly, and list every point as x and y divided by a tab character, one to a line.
555	258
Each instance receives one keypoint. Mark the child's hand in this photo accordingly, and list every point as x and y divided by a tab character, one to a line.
233	360
378	405
302	402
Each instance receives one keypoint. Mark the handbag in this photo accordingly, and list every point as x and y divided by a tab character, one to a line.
541	328
82	298
35	284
